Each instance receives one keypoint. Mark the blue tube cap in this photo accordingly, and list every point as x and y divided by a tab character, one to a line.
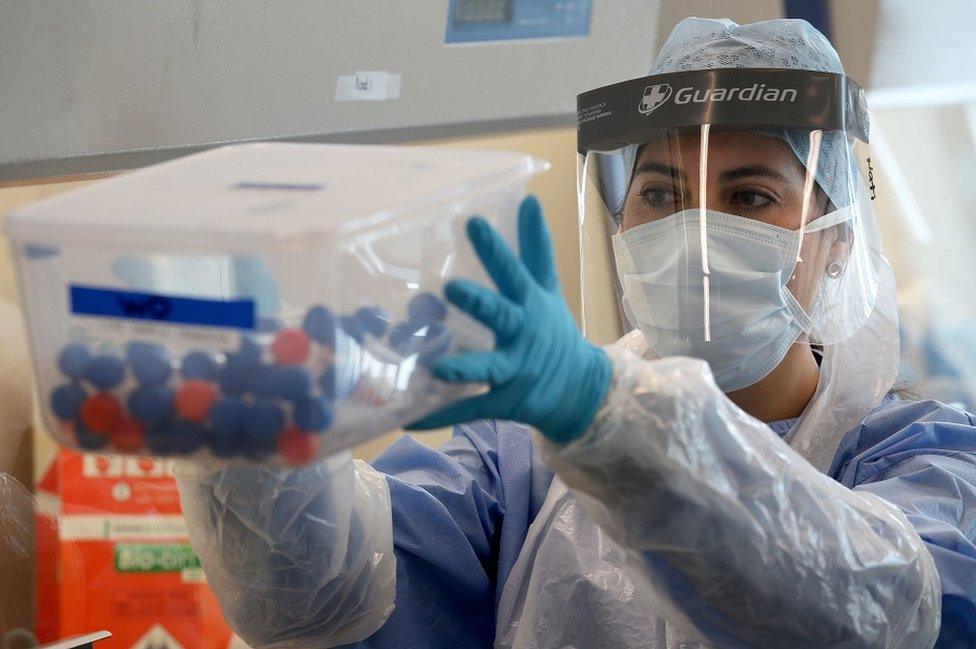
313	414
198	364
105	371
151	403
149	362
73	359
66	401
426	308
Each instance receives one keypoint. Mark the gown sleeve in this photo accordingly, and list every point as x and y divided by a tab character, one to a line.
743	541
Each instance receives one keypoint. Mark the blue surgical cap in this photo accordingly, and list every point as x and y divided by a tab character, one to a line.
705	44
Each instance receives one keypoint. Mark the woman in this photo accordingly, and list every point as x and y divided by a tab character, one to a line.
665	512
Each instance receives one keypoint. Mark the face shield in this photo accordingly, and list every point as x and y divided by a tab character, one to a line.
738	221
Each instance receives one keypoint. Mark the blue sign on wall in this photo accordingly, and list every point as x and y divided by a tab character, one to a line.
472	21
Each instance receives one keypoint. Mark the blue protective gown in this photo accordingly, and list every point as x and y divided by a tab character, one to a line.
461	514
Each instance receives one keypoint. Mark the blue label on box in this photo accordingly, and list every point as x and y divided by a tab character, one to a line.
110	303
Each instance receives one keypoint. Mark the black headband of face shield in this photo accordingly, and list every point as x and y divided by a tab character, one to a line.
628	112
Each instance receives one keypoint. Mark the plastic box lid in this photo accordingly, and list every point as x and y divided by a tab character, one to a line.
269	193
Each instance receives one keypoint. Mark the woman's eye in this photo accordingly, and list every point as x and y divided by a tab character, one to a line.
658	197
752	199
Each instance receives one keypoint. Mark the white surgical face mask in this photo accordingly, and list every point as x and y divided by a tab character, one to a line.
744	318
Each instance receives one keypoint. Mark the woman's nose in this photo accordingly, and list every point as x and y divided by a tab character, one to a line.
692	198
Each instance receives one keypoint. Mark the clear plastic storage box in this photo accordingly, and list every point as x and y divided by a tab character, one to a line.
269	302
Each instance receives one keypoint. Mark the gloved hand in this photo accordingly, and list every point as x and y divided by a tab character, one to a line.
542	371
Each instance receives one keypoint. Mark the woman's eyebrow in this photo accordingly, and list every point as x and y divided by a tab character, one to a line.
752	170
659	168
731	174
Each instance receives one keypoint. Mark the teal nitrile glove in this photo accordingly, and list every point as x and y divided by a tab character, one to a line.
542	371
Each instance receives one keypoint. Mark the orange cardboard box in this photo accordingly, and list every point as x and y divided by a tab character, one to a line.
121	560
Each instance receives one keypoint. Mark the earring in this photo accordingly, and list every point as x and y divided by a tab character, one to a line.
834	270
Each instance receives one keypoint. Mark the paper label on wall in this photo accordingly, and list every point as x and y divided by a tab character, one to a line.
368	86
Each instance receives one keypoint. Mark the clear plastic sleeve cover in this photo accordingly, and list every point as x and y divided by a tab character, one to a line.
298	558
722	530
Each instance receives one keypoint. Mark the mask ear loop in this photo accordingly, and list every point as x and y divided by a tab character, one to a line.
703	227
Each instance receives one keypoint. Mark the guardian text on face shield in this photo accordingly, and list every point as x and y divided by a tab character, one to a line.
755	92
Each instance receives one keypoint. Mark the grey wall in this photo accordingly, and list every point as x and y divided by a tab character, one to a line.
89	86
927	43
